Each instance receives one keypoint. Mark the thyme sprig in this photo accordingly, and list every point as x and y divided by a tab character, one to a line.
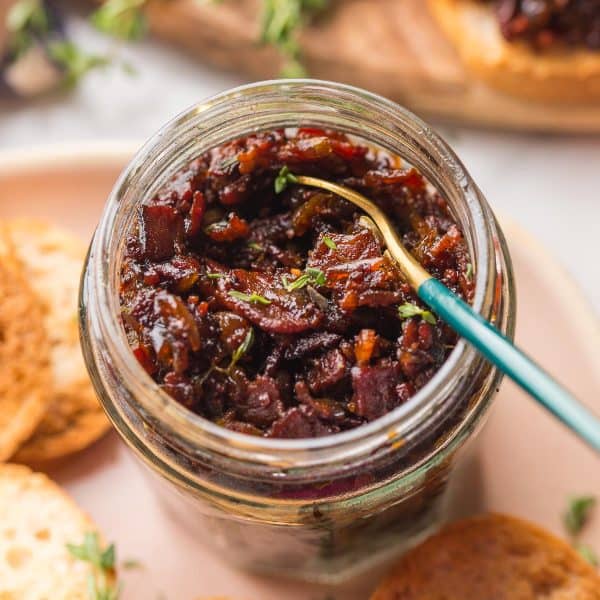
251	298
281	20
25	21
238	353
100	585
74	62
408	310
284	178
469	271
241	350
575	519
28	20
311	276
122	19
578	513
329	242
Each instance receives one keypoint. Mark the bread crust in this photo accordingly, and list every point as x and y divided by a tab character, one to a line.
53	259
561	75
37	520
24	354
491	556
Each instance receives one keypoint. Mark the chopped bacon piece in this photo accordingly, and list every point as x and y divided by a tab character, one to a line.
228	231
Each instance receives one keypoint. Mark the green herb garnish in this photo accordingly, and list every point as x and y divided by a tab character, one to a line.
281	20
329	242
588	554
578	514
241	349
74	61
469	271
408	310
255	246
216	275
29	20
90	551
575	519
123	19
26	20
252	298
310	276
284	178
103	562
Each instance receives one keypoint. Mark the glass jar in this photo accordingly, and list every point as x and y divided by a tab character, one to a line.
316	509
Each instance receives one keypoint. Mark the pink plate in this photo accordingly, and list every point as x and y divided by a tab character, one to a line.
524	463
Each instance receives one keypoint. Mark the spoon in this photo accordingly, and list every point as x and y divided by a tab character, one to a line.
497	348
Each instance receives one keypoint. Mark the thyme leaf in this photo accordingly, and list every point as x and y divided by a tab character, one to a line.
575	518
90	551
280	23
408	310
123	19
103	562
252	298
469	271
329	242
24	21
75	62
285	178
310	276
578	513
241	349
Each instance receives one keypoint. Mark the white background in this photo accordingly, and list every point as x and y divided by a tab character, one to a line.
548	184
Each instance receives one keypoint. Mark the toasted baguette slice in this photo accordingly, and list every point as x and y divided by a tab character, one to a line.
24	354
53	260
491	556
559	75
37	521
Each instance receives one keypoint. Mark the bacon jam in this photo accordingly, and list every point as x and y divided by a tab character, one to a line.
280	314
546	23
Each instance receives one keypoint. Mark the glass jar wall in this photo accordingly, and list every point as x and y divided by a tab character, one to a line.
316	509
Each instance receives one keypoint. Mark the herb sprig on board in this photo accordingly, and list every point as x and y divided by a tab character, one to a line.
575	519
100	582
123	19
25	21
29	21
281	22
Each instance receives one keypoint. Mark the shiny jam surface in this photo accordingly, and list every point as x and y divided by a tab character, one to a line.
279	314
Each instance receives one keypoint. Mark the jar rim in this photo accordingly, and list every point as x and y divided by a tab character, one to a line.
101	293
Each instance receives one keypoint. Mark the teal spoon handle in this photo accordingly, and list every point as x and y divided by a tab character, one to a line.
500	351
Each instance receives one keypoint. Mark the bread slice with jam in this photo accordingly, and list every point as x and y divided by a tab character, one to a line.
559	73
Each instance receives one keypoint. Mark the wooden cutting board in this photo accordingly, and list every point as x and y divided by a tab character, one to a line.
392	47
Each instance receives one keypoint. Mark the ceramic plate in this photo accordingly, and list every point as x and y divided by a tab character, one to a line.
524	463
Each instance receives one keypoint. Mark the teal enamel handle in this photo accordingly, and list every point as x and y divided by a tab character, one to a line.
500	351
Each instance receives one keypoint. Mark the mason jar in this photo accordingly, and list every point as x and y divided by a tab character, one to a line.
319	509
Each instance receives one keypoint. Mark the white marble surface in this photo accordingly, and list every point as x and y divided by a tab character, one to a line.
548	184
